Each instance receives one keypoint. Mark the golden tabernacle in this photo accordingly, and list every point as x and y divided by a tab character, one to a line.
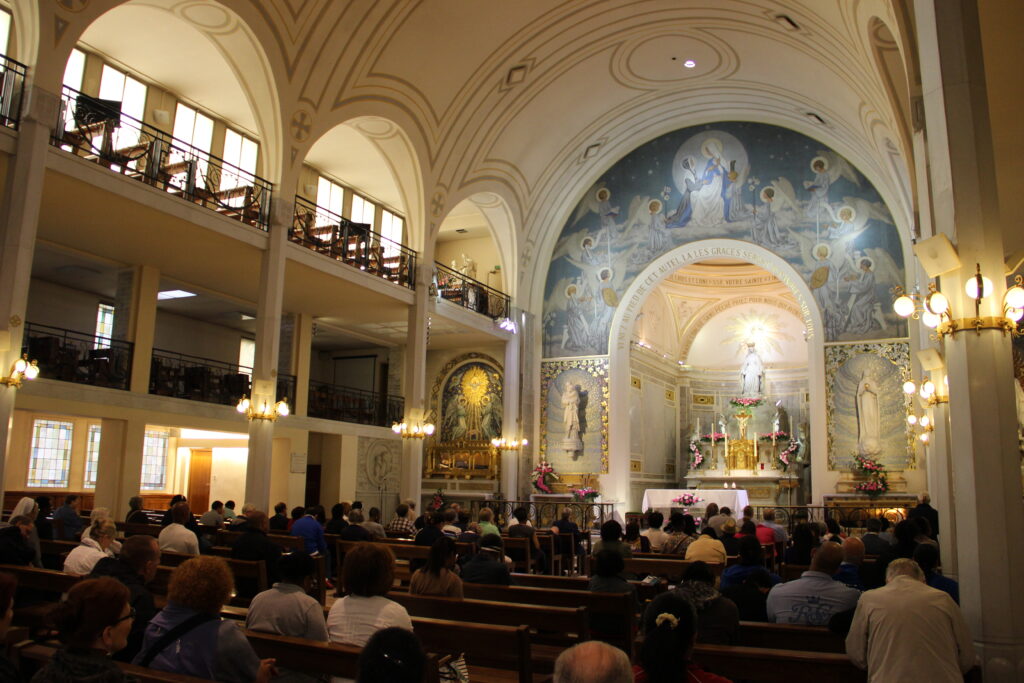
741	455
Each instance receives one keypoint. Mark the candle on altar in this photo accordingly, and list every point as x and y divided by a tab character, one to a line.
755	446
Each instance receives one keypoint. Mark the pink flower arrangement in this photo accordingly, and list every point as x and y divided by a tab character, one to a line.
784	455
438	501
540	475
696	457
874	487
585	493
687	499
867	465
713	436
745	402
777	436
877	484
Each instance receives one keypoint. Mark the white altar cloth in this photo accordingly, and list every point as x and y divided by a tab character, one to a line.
661	499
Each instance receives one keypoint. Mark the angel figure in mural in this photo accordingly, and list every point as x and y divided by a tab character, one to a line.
751	373
869	422
828	167
576	333
863	299
765	230
825	268
688	184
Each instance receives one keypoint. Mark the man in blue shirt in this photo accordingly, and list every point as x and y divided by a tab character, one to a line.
67	514
310	531
927	556
814	597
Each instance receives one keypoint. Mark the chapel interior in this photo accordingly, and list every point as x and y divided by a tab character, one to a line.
322	251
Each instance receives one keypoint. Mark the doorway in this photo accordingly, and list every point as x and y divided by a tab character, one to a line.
312	485
199	467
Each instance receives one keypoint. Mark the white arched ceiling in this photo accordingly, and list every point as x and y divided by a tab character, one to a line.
375	157
203	52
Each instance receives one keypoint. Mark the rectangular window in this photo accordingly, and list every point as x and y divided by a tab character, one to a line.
363	210
331	197
74	72
240	152
104	326
115	85
246	356
391	227
196	130
51	454
92	456
5	31
154	459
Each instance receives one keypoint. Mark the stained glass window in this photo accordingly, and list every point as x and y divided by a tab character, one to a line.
154	460
51	454
92	456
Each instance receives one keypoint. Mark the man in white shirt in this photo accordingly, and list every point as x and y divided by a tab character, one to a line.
286	609
175	537
654	533
815	597
214	516
908	631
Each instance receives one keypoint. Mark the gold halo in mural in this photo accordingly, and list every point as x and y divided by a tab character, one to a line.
819	160
654	206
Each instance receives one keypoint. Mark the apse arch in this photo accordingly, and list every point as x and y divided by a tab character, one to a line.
617	481
491	209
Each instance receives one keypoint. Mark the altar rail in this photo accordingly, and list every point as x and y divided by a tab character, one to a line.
544	514
847	516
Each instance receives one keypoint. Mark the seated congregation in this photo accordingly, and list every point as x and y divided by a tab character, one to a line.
169	596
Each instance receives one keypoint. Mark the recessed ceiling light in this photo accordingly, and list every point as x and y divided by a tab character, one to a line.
689	63
815	118
173	294
787	22
246	316
461	231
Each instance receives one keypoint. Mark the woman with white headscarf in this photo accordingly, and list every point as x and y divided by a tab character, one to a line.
104	513
28	508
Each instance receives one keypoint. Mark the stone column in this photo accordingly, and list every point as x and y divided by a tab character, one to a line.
982	416
140	329
415	378
510	422
264	372
119	468
22	198
302	343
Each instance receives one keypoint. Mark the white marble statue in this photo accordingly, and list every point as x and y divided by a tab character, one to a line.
571	412
869	428
468	266
752	373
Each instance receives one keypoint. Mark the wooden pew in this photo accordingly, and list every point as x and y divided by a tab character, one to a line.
136	529
404	553
520	549
672	570
46	581
645	591
312	657
789	572
776	666
245	569
30	656
557	627
790	637
287	543
492	652
618	607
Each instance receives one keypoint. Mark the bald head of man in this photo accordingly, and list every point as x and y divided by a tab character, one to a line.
593	662
827	558
853	551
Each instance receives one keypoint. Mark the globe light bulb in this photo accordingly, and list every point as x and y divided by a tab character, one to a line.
20	365
1014	297
32	371
925	421
243	406
428	429
909	387
971	287
912	419
937	303
927	389
282	409
930	319
925	437
1015	314
904	306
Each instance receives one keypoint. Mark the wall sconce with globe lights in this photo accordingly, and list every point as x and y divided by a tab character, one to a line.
928	391
263	410
413	430
923	425
21	369
933	308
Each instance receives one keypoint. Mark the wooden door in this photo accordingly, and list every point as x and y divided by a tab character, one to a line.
199	480
312	485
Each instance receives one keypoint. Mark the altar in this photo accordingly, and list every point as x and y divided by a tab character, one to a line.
661	499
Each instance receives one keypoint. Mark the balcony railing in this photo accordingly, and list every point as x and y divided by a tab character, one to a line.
96	130
197	379
286	389
355	244
469	293
12	90
345	404
79	357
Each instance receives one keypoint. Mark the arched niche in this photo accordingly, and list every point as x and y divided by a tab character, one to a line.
480	227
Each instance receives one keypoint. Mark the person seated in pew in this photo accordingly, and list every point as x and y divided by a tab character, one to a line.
176	537
92	624
814	597
488	565
296	514
167	518
486	522
682	531
392	655
367	576
8	584
279	522
451	527
833	533
905	533
104	513
44	525
438	577
287	609
654	533
748	516
136	515
70	520
803	545
239	522
718	520
355	531
432	531
401	524
593	662
927	557
14	542
373	524
748	528
611	539
873	543
853	558
134	568
718	618
523	529
637	543
729	539
471	534
669	634
309	530
768	521
707	548
751	560
254	545
26	507
887	531
214	517
607	578
565	525
751	596
229	511
189	637
95	546
339	519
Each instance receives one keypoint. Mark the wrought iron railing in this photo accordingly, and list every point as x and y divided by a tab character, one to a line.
355	244
96	130
197	379
469	293
847	516
345	404
12	90
544	514
79	357
286	389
